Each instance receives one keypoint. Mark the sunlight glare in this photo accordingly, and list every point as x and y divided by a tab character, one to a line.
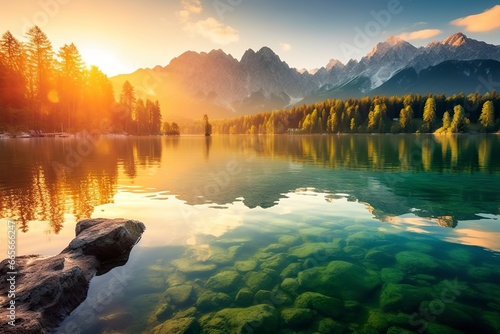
105	59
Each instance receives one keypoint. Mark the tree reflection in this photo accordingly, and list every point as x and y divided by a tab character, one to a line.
31	189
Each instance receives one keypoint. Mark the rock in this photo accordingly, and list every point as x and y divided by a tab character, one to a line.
290	285
224	281
263	297
176	278
364	239
379	258
291	271
210	301
259	280
340	278
163	312
254	319
402	297
190	266
355	252
179	294
327	306
415	262
178	326
278	261
48	289
105	239
244	297
320	251
314	234
245	266
117	321
377	320
327	326
296	317
290	240
391	275
276	248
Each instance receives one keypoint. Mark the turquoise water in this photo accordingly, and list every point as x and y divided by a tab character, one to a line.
306	234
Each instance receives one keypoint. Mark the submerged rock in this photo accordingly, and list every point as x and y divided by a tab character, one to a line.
327	306
179	294
178	326
209	301
415	262
48	289
224	281
259	280
340	278
296	317
402	297
257	319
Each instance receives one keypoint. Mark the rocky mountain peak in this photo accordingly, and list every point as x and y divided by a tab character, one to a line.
455	39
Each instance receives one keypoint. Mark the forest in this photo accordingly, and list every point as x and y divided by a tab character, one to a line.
411	113
49	91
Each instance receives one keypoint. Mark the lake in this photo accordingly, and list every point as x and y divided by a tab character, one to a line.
280	234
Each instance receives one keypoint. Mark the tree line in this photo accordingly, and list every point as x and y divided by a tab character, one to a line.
411	113
41	89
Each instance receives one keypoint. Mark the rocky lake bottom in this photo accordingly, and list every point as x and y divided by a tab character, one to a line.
304	274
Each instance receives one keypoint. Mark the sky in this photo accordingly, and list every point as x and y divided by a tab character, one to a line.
121	36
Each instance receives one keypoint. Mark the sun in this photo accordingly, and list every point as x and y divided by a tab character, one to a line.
104	58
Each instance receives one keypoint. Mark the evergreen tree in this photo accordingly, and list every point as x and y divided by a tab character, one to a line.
487	118
405	118
459	123
429	115
40	60
127	102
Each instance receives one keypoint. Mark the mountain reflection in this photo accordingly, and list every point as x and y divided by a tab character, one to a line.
445	177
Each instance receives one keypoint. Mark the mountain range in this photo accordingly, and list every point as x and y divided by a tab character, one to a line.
217	84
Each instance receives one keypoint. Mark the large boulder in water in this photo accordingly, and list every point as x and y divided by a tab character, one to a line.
340	279
49	288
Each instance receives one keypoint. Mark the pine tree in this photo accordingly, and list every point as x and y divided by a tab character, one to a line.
405	118
429	115
487	118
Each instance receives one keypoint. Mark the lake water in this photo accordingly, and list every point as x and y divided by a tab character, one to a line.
279	234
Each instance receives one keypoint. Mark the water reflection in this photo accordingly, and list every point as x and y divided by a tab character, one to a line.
447	178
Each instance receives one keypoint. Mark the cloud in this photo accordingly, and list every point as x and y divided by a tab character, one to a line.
483	22
189	7
214	30
209	28
420	34
285	47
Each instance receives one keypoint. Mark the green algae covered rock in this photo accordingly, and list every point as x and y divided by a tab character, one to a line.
254	319
402	297
415	262
290	285
290	240
320	251
340	278
259	280
209	301
179	294
327	306
224	281
291	270
379	258
245	266
296	317
278	261
364	239
327	326
178	326
244	297
391	275
192	267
